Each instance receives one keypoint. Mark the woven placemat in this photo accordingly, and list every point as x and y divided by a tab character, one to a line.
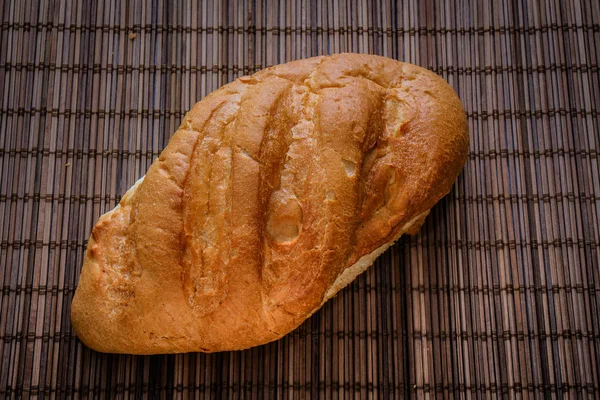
499	294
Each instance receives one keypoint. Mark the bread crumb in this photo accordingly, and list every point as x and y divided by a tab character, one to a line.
68	164
132	36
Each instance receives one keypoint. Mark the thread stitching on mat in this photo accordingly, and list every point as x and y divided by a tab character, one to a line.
497	289
122	68
173	68
459	244
72	153
513	198
501	244
479	199
286	386
321	385
103	113
590	288
43	289
551	112
503	153
490	154
252	29
373	334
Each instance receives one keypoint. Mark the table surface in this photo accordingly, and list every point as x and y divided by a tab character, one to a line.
499	293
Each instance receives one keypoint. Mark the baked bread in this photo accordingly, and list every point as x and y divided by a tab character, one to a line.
275	192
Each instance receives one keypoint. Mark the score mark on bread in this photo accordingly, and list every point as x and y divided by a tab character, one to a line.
275	192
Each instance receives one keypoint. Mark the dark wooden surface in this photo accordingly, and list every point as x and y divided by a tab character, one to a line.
498	295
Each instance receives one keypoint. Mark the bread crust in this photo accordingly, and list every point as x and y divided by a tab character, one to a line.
274	193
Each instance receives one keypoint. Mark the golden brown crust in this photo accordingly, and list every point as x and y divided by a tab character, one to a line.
272	187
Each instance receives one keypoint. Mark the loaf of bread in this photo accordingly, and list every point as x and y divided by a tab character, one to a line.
275	192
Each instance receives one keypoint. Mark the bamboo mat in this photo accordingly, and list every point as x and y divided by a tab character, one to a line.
498	295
